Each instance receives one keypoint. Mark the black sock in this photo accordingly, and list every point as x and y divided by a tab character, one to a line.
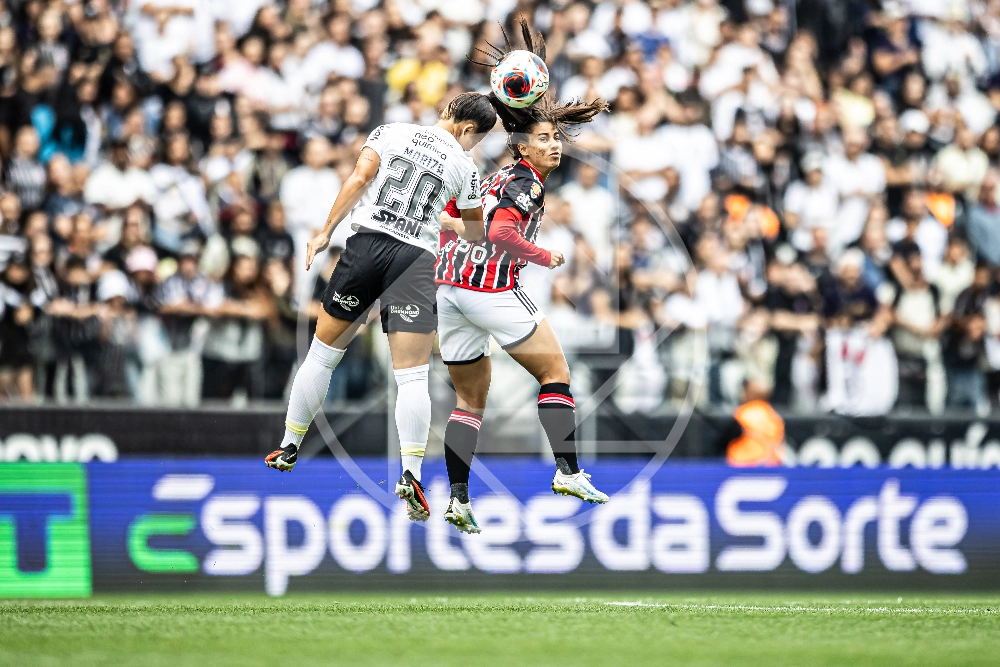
460	492
460	437
557	412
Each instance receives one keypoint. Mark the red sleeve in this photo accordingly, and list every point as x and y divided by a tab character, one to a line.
451	208
503	234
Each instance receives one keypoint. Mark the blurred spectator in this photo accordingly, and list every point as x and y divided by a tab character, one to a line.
760	431
146	380
965	345
76	331
896	52
718	293
18	300
984	221
955	273
134	232
116	184
858	178
963	164
556	233
794	306
178	199
811	202
25	175
273	237
183	298
307	194
593	209
280	352
918	321
237	310
917	229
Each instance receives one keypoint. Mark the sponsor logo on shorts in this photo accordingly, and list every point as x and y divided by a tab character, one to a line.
407	313
346	302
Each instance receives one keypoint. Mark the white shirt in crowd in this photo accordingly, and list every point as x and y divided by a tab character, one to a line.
179	36
607	86
855	183
179	195
720	298
109	187
634	153
816	207
946	52
861	373
326	58
308	195
694	153
931	237
593	212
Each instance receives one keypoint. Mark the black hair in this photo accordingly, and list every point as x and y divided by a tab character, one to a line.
74	262
518	123
475	107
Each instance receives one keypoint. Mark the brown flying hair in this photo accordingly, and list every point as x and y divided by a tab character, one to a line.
518	123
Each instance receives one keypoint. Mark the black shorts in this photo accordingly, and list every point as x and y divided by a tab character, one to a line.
378	267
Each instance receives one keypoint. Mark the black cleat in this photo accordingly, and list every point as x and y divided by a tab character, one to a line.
283	459
410	490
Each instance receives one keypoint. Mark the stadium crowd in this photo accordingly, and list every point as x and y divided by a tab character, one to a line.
803	194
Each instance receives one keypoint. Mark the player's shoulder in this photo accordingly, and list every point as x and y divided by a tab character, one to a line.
392	130
523	187
525	179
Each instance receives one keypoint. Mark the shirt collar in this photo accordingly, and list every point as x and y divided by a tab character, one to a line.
528	165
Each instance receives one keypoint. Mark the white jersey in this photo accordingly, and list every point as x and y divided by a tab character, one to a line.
421	169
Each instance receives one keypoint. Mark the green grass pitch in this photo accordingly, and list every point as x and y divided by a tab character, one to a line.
504	629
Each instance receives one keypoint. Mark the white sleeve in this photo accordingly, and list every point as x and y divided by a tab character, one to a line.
469	197
794	198
378	139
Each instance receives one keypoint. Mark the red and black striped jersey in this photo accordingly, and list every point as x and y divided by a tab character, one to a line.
482	265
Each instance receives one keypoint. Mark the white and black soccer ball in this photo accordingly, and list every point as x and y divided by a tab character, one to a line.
519	79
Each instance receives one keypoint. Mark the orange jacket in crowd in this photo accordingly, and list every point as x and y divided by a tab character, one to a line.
763	440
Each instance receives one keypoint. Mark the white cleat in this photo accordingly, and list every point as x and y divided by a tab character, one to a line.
579	486
460	515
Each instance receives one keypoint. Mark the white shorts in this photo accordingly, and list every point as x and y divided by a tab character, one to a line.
467	319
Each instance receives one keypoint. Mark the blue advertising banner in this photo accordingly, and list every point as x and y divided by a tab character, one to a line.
198	524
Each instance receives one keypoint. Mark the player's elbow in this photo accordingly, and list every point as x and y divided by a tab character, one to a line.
498	234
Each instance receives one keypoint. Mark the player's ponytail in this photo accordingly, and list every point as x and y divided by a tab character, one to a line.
566	117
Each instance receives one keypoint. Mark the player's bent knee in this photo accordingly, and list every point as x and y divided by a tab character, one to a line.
557	372
333	331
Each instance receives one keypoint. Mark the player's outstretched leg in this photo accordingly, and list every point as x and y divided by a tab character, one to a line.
472	384
311	385
557	412
411	352
413	421
309	389
460	438
542	356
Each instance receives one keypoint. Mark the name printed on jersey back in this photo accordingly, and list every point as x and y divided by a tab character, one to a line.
420	170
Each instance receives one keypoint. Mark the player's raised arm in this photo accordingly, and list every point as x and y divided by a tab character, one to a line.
348	197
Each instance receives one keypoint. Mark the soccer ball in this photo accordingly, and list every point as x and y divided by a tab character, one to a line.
519	79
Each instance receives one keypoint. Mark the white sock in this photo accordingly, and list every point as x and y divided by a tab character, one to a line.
309	389
413	416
